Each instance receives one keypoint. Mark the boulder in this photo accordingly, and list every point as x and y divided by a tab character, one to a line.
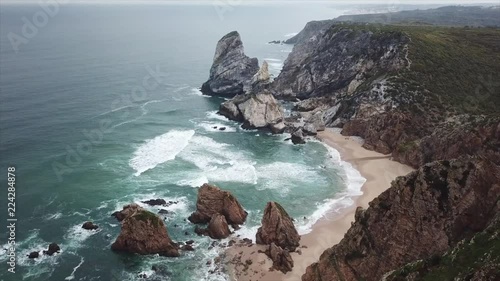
53	248
212	200
277	227
298	137
256	111
145	233
155	202
232	70
89	226
127	211
218	227
33	255
282	260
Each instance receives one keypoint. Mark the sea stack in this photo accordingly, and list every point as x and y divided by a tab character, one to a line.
145	233
232	71
212	200
277	227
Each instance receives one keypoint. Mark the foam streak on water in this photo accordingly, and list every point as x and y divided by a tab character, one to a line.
160	150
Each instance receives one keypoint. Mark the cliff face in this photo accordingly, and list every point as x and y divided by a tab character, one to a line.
423	214
337	61
402	89
475	259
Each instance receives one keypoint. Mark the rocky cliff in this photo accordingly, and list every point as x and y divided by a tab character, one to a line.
382	83
232	71
423	214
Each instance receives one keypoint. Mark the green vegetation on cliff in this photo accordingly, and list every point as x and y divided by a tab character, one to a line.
477	257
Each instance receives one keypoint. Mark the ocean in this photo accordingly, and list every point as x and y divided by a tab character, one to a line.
101	107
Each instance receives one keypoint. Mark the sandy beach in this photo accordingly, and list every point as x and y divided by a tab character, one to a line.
247	263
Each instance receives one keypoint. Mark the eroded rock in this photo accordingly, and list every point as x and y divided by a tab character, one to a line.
145	233
282	260
232	70
212	200
218	227
278	228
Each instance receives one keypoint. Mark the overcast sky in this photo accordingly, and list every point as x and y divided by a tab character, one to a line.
261	2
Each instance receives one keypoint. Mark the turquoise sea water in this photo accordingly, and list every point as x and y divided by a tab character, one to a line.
87	137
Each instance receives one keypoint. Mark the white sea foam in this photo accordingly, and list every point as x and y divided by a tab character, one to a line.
160	150
214	115
72	276
217	162
284	175
291	34
76	235
354	182
210	127
197	92
54	216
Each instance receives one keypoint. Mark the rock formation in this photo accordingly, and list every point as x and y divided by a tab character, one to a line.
217	227
53	248
261	79
232	71
127	211
422	215
89	226
282	260
256	111
277	227
212	200
145	233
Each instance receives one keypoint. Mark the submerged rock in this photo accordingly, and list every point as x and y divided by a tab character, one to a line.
33	255
212	200
145	233
218	227
53	248
155	202
89	226
277	227
232	70
282	260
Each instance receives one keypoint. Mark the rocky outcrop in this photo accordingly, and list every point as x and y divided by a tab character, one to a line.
217	227
256	111
145	233
475	259
480	137
261	79
232	71
282	260
212	201
89	226
127	211
278	228
53	248
339	60
312	28
421	215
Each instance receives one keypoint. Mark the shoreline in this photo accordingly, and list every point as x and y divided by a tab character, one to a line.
245	263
